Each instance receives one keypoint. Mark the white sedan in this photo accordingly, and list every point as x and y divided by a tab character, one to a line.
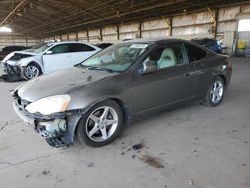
45	58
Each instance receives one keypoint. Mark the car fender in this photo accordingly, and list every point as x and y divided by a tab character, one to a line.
86	97
87	103
37	60
25	61
74	119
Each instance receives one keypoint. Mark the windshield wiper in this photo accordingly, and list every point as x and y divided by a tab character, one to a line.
100	68
97	68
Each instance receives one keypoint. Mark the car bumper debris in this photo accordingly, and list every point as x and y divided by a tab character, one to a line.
57	129
13	72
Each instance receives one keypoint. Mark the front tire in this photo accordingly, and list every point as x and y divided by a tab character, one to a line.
215	92
101	124
31	71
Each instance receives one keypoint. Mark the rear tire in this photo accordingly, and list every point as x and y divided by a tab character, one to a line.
31	71
101	124
215	92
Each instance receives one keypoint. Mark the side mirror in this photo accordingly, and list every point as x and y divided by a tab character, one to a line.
48	52
149	66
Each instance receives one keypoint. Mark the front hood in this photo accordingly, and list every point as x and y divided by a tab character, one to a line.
17	55
61	82
25	52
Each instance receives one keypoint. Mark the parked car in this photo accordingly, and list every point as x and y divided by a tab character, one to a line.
126	81
8	49
46	58
211	44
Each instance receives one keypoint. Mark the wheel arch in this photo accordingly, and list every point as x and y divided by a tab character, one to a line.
223	78
37	64
125	111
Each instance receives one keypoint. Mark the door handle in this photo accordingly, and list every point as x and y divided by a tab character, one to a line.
191	73
188	74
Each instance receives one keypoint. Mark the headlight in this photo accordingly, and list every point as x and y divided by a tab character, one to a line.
18	63
49	105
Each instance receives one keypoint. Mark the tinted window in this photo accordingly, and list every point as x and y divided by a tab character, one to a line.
167	56
13	48
195	53
8	49
61	48
201	42
209	43
19	48
80	48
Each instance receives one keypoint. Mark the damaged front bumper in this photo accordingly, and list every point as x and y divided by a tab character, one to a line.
57	129
14	72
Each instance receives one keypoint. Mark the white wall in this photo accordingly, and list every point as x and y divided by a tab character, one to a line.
183	26
186	26
19	40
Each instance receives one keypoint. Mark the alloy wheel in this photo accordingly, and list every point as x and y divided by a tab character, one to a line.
216	92
32	72
102	123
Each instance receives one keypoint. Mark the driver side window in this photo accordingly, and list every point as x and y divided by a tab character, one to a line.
62	48
167	56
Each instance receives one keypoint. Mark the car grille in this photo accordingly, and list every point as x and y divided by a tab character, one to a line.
10	69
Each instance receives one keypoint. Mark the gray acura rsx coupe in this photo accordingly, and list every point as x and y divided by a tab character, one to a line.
130	80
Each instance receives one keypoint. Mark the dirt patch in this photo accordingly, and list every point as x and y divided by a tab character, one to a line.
91	164
138	146
45	172
152	161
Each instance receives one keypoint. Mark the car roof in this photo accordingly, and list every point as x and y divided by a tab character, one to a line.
13	46
67	42
155	40
203	39
160	40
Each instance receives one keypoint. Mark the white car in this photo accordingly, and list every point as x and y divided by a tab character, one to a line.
45	58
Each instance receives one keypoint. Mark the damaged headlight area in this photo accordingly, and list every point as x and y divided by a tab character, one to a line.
49	117
51	128
12	70
49	105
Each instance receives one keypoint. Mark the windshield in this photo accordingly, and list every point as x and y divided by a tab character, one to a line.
39	48
118	57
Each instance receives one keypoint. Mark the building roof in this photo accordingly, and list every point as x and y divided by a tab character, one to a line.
42	18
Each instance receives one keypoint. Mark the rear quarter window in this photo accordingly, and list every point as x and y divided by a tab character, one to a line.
80	48
20	48
195	53
7	49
